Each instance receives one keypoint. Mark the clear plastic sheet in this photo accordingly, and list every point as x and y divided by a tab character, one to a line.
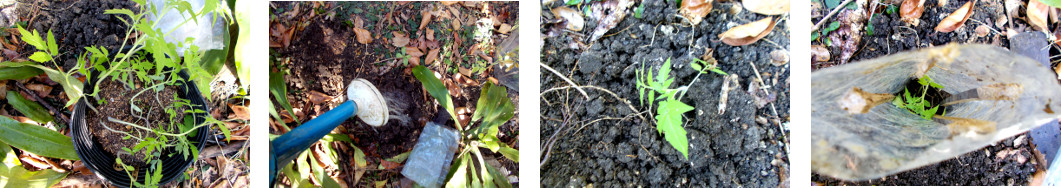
208	29
1015	94
431	157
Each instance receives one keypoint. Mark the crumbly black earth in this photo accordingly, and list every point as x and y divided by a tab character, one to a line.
727	150
77	24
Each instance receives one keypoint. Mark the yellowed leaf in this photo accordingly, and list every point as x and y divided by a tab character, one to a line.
381	184
695	10
1038	13
448	3
574	19
399	40
956	19
767	7
747	33
363	36
911	11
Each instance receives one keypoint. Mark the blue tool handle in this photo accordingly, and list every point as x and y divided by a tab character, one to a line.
287	147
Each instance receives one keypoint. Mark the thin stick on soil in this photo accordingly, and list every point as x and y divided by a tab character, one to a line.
34	97
831	14
600	89
772	106
566	80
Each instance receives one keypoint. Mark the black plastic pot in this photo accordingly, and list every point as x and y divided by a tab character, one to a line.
101	162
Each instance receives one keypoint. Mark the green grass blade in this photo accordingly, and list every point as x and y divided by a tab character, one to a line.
36	139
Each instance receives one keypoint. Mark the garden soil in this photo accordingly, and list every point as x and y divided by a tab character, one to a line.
77	24
1004	163
324	58
609	145
117	106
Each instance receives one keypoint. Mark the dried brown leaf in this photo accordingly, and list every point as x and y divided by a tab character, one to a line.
431	56
40	89
363	36
413	52
317	97
819	53
574	19
448	3
956	19
431	34
911	11
240	112
747	33
426	15
767	7
1038	13
504	29
399	40
695	10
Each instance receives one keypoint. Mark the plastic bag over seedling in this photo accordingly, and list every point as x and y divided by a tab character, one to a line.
208	29
859	133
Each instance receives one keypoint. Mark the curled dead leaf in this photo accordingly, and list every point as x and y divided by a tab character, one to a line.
573	18
1038	13
911	11
747	33
956	19
767	7
317	97
240	112
695	10
413	52
819	53
363	36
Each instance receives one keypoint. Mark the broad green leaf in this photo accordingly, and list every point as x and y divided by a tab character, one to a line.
330	183
437	90
31	109
242	40
40	57
494	108
292	175
303	165
669	122
318	171
458	175
510	153
573	2
359	158
36	139
833	26
278	88
14	175
500	180
696	65
487	178
17	73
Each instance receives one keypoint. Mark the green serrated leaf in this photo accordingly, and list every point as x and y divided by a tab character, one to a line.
669	122
31	109
40	57
36	139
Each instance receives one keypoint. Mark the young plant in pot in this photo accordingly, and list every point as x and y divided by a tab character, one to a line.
140	118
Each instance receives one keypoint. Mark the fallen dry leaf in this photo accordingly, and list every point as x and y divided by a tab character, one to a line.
573	18
1038	13
695	10
819	53
40	89
389	165
426	15
399	40
767	7
381	184
504	29
363	36
448	3
317	97
430	34
615	9
240	112
413	52
956	19
747	33
431	56
911	11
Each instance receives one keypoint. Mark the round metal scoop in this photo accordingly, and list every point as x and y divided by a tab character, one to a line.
371	106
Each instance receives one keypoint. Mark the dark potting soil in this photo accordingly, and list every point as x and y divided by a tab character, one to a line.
891	35
742	147
324	58
76	24
117	106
